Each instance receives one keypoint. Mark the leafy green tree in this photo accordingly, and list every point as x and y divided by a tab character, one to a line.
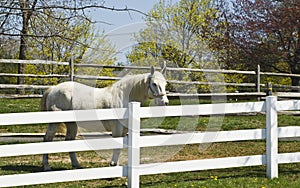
182	34
101	52
175	33
17	17
77	48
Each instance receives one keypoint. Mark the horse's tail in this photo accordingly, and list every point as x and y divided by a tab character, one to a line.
43	107
43	104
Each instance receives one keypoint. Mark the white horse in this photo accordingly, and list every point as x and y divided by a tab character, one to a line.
76	96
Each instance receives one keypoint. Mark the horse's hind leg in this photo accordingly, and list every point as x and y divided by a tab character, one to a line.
71	135
115	157
117	131
50	134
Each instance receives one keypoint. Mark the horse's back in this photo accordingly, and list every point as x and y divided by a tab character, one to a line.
70	96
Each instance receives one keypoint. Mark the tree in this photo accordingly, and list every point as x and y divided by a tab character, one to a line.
175	32
265	32
181	34
84	45
16	18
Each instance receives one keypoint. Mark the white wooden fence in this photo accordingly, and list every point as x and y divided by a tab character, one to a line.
134	141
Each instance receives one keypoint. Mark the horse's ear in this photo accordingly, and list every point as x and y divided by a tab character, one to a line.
164	68
152	70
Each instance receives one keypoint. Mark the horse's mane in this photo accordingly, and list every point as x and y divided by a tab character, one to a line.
131	79
131	88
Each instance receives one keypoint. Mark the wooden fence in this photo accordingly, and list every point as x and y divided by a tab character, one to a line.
133	170
257	88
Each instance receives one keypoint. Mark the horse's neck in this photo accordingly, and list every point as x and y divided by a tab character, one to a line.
140	89
133	88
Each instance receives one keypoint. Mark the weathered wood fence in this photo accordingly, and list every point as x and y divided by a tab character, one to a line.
256	87
133	170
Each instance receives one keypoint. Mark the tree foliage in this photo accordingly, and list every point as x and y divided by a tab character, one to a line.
264	32
175	33
183	34
86	46
39	22
240	34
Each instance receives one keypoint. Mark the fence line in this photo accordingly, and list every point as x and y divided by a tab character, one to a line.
71	75
134	141
34	75
35	62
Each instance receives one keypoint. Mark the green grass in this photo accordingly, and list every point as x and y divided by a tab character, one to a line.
234	177
18	106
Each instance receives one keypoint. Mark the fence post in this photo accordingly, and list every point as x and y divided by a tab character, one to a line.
269	89
72	68
258	79
271	137
133	144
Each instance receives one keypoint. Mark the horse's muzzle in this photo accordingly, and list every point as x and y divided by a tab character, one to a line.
162	100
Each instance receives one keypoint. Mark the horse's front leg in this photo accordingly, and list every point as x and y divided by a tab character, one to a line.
71	135
117	131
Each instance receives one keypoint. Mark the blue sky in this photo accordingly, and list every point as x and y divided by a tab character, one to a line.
117	19
122	25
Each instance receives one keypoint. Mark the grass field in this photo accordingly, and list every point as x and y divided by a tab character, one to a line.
233	177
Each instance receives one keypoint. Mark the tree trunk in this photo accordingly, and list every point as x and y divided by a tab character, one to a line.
296	82
26	14
295	68
22	56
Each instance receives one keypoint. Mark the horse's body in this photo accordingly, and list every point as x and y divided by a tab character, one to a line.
76	96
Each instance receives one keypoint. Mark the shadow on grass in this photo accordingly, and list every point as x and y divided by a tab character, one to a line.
287	171
249	172
28	168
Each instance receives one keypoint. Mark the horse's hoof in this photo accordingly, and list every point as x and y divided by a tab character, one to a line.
113	163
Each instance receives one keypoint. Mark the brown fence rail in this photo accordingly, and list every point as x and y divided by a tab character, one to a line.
252	88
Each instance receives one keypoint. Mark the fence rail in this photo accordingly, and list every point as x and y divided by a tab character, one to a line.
134	141
255	84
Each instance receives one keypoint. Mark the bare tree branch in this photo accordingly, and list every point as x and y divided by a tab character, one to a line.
126	9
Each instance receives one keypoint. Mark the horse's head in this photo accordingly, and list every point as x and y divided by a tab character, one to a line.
157	86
